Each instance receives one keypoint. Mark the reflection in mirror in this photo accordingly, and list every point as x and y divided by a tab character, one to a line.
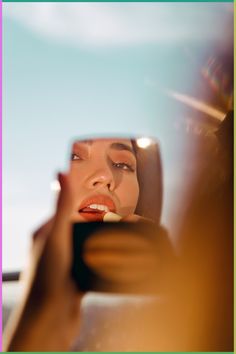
117	179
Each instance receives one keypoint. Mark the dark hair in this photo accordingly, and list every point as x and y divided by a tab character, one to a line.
149	173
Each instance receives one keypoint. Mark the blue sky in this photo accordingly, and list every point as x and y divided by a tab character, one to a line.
73	69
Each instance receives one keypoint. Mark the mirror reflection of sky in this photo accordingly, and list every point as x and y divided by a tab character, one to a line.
72	69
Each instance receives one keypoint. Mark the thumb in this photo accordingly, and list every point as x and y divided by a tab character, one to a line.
62	224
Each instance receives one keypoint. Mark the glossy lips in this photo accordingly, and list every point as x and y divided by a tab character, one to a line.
94	208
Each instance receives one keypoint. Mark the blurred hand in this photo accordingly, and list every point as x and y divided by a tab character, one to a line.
125	258
47	318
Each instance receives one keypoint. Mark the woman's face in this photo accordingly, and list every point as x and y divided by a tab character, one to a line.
105	178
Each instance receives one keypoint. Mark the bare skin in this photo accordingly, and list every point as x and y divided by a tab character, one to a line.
47	318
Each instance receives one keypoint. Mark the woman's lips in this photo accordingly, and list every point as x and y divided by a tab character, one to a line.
95	207
92	216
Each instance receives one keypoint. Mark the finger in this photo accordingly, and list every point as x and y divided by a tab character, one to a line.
116	275
119	260
44	230
125	241
119	268
65	200
62	224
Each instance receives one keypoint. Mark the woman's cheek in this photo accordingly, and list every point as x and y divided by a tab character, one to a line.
128	196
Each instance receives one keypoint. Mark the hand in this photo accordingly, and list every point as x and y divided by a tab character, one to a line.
126	258
47	318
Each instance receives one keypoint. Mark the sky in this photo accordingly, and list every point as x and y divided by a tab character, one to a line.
77	69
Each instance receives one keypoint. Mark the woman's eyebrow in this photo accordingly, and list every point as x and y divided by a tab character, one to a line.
121	146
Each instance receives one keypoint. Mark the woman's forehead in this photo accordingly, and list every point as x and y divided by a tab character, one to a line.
115	143
109	141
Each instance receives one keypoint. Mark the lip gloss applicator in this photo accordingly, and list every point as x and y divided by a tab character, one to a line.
111	217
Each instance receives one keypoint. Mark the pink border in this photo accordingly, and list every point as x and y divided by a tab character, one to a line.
1	164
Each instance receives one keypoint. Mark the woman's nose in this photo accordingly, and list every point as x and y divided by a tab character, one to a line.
103	177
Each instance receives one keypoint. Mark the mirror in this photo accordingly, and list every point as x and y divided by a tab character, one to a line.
116	180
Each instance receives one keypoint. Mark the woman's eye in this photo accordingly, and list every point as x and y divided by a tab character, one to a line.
75	157
123	166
